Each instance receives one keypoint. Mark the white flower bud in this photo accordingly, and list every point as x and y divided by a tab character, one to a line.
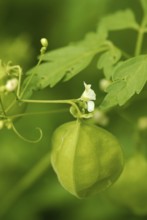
90	106
44	42
11	85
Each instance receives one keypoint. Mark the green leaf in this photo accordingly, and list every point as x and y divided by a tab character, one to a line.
63	64
144	6
129	78
120	20
107	61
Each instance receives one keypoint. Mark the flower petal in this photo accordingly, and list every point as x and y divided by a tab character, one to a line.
90	106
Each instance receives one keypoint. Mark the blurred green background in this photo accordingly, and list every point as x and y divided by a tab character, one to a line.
40	197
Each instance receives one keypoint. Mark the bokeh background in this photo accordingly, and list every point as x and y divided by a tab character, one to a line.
28	186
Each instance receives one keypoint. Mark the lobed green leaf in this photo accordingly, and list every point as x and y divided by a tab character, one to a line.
129	77
108	60
63	64
120	20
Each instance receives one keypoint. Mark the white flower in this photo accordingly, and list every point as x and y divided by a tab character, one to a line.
88	94
11	85
90	106
88	97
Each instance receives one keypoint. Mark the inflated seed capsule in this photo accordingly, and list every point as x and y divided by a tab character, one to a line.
87	159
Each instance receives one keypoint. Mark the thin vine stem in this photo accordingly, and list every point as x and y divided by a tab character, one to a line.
38	113
70	102
39	62
19	82
24	184
141	32
3	109
25	139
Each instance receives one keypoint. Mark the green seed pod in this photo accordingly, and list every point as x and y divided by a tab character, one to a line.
87	159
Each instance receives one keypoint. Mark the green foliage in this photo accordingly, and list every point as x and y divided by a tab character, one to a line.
118	21
108	59
63	64
129	77
144	6
28	187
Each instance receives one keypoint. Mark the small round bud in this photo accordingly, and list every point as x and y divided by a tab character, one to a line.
142	123
100	118
11	85
44	42
103	84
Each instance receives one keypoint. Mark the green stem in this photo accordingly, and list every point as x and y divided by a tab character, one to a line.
125	54
145	30
3	109
141	32
38	113
24	184
26	139
39	62
139	42
19	83
70	102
